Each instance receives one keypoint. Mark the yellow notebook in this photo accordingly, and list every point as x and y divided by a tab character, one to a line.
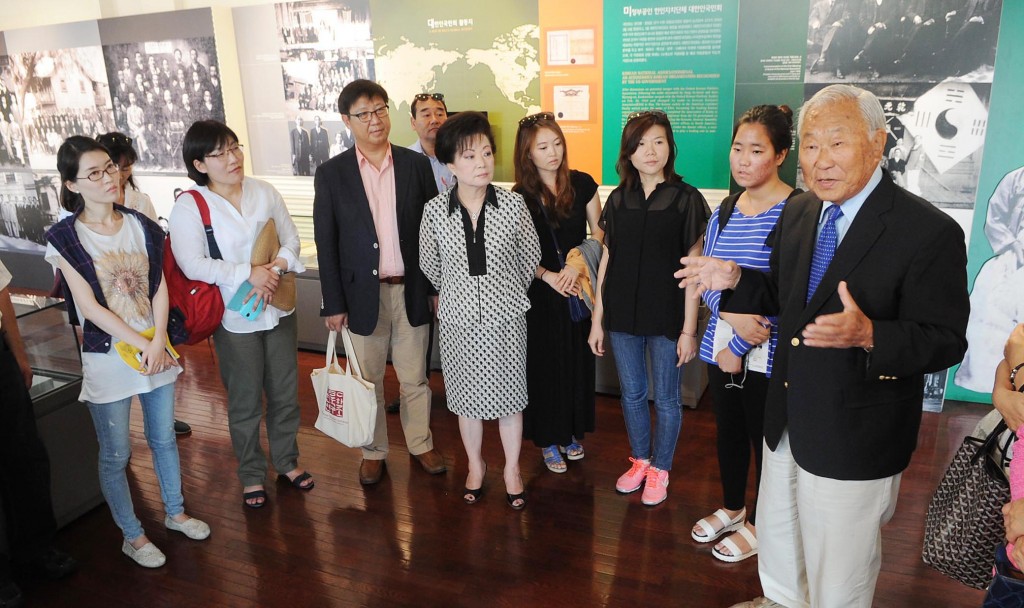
133	356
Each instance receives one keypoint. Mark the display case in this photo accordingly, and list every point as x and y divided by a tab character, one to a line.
64	423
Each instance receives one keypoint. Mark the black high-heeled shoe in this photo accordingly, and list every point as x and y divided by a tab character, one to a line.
472	496
512	498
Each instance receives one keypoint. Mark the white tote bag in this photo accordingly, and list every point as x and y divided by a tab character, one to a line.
347	403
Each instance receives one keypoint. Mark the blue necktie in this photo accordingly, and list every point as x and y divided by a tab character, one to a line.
824	249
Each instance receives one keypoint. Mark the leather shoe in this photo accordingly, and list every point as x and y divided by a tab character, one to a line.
52	564
432	462
759	602
371	471
10	594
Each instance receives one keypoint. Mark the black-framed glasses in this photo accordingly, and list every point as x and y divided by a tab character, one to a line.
643	113
366	116
426	96
532	119
237	148
94	176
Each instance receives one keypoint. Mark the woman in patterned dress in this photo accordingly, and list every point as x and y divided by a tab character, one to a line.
479	249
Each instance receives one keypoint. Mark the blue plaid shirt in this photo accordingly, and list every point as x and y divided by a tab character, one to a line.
65	240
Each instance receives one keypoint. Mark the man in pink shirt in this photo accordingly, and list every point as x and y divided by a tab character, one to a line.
366	217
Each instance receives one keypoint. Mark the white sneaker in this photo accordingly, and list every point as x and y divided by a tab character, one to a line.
192	527
147	556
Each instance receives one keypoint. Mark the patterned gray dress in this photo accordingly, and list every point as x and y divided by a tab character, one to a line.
482	277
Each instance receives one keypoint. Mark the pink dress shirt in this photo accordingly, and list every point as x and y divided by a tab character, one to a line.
380	192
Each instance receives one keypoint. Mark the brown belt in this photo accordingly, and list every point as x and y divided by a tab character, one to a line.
393	280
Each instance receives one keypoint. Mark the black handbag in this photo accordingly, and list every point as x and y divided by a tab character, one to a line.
964	524
578	309
1005	591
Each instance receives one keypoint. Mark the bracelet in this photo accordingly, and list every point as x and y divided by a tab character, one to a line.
1013	377
683	333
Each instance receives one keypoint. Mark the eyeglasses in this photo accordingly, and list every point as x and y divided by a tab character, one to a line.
426	96
97	175
114	138
643	113
237	149
366	116
532	119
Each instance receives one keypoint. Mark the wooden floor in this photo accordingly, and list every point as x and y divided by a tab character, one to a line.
410	541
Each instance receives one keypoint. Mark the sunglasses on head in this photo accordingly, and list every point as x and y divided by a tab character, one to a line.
532	119
643	113
426	96
116	138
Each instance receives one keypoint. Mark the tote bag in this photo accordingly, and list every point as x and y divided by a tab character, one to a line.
347	403
964	523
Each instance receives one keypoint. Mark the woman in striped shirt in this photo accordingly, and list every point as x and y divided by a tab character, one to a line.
739	348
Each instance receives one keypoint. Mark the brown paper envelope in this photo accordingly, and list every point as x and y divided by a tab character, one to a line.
264	251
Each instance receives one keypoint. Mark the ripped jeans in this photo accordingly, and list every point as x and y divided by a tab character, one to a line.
111	422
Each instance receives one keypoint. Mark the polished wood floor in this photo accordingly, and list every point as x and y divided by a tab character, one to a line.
410	541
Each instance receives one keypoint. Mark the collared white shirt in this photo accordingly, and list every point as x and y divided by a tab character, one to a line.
235	234
851	206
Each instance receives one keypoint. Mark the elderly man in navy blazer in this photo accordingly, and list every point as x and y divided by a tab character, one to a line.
366	217
870	286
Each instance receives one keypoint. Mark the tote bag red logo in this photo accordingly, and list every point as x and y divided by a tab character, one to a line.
335	405
346	402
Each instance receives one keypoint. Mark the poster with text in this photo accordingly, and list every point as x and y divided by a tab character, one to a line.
679	57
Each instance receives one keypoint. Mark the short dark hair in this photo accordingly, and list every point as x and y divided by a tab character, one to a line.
458	131
415	101
119	147
356	89
202	138
68	156
631	136
776	120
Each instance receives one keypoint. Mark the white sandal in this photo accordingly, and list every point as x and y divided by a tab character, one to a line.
728	525
736	554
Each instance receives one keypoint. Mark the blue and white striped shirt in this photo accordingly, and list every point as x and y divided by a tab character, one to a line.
743	241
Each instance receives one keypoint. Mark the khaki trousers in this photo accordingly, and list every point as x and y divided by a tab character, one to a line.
408	355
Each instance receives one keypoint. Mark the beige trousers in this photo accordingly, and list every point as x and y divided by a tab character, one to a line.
408	354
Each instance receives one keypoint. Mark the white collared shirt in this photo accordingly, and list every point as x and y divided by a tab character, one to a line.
235	234
850	206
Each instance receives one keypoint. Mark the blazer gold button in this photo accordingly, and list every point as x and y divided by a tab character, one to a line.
376	246
785	384
795	341
374	273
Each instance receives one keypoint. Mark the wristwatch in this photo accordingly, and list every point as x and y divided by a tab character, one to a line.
1013	377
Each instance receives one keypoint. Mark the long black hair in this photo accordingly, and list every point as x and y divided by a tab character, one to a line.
68	156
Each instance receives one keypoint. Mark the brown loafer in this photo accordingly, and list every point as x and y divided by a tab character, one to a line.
432	462
371	471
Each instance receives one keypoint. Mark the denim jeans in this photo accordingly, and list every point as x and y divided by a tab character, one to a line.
111	422
631	361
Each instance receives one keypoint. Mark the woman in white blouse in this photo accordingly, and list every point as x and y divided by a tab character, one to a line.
257	357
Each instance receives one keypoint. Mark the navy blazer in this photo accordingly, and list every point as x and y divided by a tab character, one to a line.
853	414
346	239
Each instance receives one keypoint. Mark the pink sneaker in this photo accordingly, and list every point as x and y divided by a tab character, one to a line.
656	488
632	479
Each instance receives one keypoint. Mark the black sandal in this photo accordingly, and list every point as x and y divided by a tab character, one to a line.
512	498
297	482
472	496
254	495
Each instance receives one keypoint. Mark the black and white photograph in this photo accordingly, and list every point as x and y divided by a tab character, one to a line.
12	141
28	206
936	134
902	40
934	391
54	94
159	88
324	46
997	300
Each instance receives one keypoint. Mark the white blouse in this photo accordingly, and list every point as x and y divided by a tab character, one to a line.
235	234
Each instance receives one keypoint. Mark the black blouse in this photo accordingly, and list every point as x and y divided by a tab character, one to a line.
476	251
645	239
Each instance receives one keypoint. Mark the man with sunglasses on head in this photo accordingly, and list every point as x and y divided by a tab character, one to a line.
429	112
366	218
